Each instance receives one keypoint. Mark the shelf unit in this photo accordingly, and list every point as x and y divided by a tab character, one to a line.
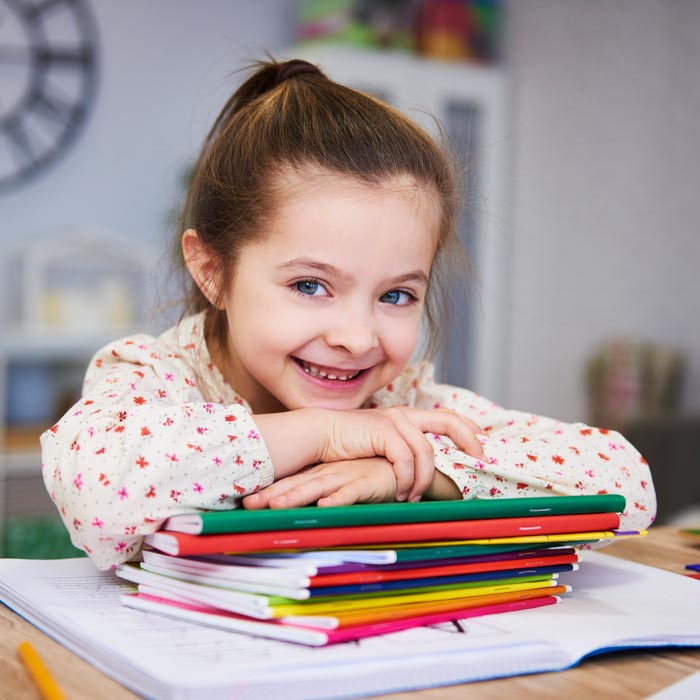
66	296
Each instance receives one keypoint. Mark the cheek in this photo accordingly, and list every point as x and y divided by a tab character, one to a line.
401	341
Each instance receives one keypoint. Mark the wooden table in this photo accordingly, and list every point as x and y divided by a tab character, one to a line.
620	676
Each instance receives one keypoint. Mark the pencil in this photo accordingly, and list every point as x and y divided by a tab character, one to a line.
48	688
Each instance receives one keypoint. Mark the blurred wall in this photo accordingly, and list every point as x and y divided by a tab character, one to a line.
165	71
605	168
605	220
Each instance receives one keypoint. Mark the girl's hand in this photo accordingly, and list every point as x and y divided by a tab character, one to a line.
369	480
296	439
398	434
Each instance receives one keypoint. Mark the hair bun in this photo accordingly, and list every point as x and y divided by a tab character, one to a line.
295	67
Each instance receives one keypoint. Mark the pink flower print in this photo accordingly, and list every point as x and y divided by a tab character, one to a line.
139	400
142	462
557	459
172	457
175	495
253	435
78	481
479	464
493	460
162	393
98	523
197	488
120	547
238	488
209	408
216	460
90	431
77	524
130	530
201	429
493	491
168	376
239	460
223	498
123	493
168	421
590	472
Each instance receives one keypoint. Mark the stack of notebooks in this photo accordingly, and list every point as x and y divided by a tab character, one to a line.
318	576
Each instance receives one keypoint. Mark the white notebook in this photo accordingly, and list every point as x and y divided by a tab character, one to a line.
614	604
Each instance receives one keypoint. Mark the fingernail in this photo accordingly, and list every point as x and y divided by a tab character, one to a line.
401	497
415	499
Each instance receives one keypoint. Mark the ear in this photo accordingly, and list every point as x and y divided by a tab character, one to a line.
203	266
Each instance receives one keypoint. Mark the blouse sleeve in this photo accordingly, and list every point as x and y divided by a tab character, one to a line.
142	445
530	455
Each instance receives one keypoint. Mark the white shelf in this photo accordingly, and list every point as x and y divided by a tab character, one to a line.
27	345
21	463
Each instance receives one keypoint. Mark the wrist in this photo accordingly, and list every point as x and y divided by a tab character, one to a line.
442	489
294	439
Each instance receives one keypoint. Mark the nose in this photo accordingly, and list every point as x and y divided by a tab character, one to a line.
354	329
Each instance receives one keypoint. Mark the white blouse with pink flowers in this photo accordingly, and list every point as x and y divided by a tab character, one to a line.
159	432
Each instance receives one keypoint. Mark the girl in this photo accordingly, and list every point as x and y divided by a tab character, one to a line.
318	230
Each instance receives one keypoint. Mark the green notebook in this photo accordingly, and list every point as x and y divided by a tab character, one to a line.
240	520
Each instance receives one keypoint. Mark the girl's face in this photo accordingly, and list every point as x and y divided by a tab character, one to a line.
325	308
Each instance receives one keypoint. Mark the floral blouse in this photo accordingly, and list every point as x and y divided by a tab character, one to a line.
159	432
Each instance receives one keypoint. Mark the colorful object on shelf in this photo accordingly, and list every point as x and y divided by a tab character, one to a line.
630	380
465	30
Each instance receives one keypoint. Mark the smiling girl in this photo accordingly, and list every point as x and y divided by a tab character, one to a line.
318	233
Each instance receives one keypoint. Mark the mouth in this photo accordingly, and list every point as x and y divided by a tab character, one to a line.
328	373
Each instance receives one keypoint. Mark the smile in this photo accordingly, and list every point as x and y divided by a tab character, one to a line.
336	375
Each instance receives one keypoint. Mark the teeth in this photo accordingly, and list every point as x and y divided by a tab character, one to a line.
316	372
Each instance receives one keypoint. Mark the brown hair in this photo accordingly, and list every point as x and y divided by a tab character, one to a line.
290	115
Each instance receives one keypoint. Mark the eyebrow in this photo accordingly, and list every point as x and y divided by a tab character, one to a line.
330	270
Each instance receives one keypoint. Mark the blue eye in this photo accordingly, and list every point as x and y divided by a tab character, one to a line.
310	288
397	297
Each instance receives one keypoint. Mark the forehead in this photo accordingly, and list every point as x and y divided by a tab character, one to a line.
341	208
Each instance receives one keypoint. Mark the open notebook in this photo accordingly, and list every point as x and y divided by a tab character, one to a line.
616	604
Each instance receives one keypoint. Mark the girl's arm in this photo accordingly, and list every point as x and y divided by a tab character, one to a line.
142	445
530	455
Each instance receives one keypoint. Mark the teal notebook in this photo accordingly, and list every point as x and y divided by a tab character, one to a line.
239	520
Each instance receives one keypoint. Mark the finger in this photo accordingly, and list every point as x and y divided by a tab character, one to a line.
423	455
359	490
307	492
402	458
262	498
460	429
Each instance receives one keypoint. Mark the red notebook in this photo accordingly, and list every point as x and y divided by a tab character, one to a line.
181	544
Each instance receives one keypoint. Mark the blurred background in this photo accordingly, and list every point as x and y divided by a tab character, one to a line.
576	122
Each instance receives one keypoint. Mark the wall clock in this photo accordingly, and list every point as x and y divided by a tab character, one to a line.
48	76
